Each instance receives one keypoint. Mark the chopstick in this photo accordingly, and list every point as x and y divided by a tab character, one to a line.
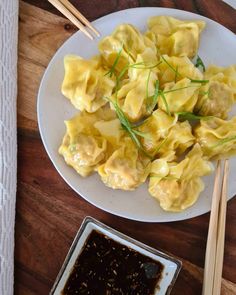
221	233
216	234
79	15
70	12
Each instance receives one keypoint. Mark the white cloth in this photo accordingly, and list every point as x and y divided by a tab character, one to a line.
8	92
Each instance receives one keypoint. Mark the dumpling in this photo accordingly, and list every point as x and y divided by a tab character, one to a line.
166	137
217	137
180	97
176	37
177	185
133	96
179	139
223	75
85	83
215	99
182	65
111	130
146	61
126	168
156	127
83	147
126	41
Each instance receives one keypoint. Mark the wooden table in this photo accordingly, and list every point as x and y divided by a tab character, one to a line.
49	212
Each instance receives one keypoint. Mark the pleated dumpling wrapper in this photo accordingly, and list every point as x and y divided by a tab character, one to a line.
176	37
166	137
123	46
181	96
85	83
134	93
177	185
226	75
126	168
217	97
217	137
174	69
86	143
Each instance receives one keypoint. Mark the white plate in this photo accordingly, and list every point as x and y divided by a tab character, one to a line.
218	46
171	266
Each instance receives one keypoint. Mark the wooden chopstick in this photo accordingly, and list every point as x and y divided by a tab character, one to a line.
211	238
221	233
59	5
216	234
79	15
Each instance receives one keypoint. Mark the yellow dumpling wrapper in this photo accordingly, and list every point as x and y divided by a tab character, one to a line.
166	137
180	97
178	140
177	185
176	37
215	99
182	65
126	168
145	62
156	127
132	95
217	137
83	147
126	41
225	75
110	130
85	83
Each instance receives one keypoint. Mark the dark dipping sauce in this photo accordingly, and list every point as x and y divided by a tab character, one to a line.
106	267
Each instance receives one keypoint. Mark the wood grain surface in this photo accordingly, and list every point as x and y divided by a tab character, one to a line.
49	213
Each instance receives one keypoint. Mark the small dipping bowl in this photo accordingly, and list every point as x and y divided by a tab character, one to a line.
103	261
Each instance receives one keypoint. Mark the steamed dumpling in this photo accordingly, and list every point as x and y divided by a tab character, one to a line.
83	147
181	96
177	185
156	127
126	41
166	137
176	37
217	137
85	83
182	65
132	95
126	168
178	140
223	75
215	99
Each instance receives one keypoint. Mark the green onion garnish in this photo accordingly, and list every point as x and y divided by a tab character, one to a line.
127	126
152	100
165	102
191	116
112	70
199	63
177	74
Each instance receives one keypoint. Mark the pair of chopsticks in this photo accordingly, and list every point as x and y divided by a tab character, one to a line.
70	12
216	233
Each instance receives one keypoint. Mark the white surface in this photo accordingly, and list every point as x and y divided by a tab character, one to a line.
170	267
218	45
8	90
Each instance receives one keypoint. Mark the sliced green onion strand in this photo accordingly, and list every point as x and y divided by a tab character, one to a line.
199	63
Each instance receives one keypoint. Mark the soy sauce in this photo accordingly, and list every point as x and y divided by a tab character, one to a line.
106	267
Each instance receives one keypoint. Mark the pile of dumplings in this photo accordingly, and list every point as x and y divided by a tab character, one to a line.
147	111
